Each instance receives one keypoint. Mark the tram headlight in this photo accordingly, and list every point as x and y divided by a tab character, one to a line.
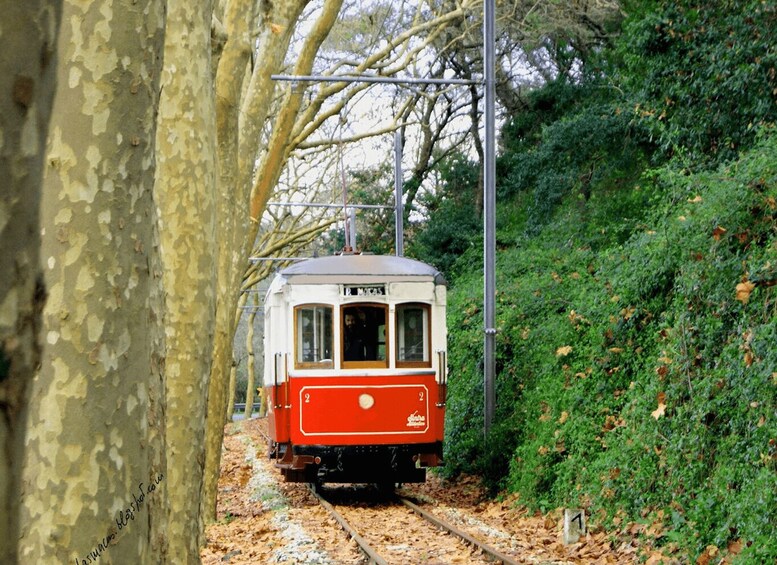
366	401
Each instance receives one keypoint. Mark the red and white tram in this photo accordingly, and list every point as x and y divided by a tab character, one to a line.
355	369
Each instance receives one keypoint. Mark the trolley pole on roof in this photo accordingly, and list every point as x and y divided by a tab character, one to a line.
352	227
399	217
349	245
489	217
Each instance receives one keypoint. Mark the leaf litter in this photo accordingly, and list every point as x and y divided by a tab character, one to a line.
261	519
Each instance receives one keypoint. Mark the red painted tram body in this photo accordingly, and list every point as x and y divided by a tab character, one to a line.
356	369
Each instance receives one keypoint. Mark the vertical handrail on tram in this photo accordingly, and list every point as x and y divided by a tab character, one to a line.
442	382
276	403
288	380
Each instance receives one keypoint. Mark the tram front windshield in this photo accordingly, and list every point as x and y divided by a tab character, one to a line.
364	333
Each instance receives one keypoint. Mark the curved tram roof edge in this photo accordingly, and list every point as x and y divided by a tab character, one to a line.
367	266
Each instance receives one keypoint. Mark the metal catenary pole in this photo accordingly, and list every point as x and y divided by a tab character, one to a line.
489	217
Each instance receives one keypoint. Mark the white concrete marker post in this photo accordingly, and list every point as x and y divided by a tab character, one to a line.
574	525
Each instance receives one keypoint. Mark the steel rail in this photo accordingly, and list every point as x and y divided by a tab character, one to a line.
485	548
376	559
366	548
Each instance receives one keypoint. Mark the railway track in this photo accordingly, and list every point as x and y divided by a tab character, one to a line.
370	543
384	548
283	522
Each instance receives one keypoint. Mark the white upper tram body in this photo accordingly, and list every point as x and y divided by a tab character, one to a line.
351	280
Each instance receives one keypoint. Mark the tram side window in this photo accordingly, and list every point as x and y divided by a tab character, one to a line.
313	336
364	333
413	334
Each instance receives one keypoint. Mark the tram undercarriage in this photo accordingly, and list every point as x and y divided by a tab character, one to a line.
380	464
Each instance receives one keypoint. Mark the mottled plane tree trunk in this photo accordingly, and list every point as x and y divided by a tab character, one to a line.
27	64
241	114
231	221
186	194
251	359
93	485
241	110
230	406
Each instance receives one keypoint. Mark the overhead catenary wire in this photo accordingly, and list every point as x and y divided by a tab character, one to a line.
489	187
375	79
339	206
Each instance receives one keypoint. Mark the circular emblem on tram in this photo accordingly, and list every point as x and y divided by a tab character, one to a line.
366	401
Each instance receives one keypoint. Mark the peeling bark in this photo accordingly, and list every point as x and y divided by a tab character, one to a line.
229	410
27	73
251	363
93	477
185	190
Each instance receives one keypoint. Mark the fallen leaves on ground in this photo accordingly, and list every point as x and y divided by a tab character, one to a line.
244	532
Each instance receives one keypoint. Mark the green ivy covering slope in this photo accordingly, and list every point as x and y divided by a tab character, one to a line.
642	378
637	265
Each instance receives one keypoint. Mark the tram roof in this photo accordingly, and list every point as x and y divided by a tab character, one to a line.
367	266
